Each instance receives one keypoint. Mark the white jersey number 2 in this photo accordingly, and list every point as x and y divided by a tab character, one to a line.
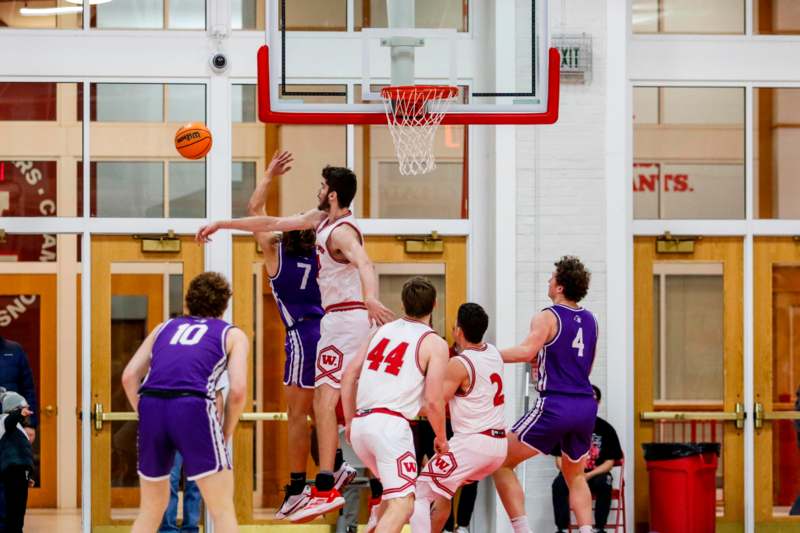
189	334
577	342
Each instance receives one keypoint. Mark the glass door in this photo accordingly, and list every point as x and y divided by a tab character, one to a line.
777	383
688	359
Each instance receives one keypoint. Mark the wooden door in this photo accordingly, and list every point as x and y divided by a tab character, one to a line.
130	291
688	361
777	383
28	316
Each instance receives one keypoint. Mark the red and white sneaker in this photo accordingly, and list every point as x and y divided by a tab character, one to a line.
372	522
319	503
344	476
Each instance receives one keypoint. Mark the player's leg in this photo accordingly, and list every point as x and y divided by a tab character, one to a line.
506	482
396	515
325	399
440	512
153	499
580	498
217	491
299	407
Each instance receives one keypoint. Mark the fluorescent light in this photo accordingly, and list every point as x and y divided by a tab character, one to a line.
48	11
91	2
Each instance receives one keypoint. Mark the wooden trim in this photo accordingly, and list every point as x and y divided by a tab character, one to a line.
106	250
44	286
766	151
728	251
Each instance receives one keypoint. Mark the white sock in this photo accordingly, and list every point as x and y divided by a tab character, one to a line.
520	524
421	519
585	529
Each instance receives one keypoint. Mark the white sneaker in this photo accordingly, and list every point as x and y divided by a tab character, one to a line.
343	476
292	503
461	529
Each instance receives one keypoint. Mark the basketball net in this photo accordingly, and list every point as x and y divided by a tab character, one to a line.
413	113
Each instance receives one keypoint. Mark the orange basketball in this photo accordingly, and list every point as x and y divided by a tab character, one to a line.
193	141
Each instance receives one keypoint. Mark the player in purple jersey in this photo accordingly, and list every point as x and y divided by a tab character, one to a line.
561	345
171	381
291	263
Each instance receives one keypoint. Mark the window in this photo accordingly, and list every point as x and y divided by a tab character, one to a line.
689	152
688	16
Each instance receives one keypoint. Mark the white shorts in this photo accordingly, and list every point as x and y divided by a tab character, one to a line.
471	458
386	446
341	334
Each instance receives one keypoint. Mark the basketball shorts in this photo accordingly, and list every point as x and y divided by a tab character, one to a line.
471	458
385	445
301	354
187	424
558	419
341	335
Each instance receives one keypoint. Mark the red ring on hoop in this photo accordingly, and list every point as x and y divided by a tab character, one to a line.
419	92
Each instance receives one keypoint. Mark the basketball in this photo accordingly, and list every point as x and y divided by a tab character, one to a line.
193	141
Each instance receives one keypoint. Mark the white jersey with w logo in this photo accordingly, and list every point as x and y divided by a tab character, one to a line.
392	377
480	407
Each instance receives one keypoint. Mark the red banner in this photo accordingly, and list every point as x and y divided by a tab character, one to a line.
28	189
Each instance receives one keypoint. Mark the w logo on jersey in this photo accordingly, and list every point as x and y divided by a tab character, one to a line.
329	362
441	465
407	467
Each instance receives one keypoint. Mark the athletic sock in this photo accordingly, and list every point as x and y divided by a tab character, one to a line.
520	524
324	481
297	482
585	529
376	488
337	463
421	518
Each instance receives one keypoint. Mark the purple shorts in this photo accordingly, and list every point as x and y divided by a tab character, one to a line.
301	354
558	419
187	424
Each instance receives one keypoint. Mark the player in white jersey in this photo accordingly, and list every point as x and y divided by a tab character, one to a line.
349	290
397	374
474	389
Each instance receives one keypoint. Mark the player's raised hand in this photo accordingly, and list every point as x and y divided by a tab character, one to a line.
205	232
281	164
378	313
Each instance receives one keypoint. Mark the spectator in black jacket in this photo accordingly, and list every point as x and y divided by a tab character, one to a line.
16	460
16	376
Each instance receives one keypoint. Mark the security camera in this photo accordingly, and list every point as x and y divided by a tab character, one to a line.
219	62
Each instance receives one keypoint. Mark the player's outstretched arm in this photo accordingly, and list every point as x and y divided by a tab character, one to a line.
307	220
543	328
434	349
350	386
137	368
456	379
348	242
238	348
257	205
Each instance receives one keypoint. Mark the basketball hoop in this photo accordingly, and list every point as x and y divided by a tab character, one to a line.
413	113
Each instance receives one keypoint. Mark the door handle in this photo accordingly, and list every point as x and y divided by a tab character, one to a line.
100	416
50	410
761	414
738	416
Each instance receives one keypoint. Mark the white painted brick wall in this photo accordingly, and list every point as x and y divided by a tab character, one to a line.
561	207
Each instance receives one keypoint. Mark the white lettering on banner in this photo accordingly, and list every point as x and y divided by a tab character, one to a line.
16	308
48	248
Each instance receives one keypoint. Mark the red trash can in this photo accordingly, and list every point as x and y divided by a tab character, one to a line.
683	491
